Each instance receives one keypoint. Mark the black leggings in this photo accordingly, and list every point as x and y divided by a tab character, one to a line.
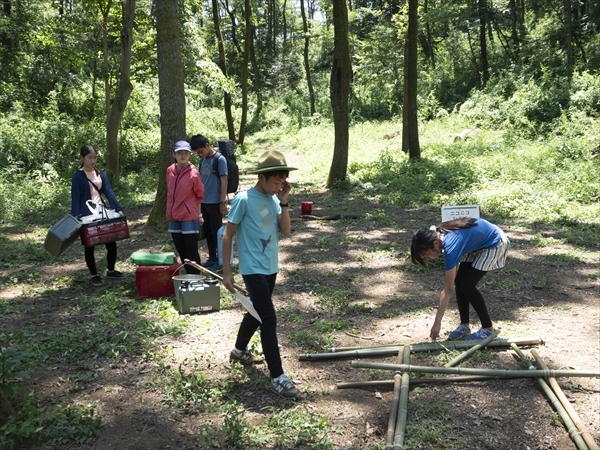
187	247
213	219
111	257
467	293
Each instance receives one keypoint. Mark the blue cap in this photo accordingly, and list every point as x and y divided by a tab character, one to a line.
182	145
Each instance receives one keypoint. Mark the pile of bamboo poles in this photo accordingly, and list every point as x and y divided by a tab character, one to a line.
403	370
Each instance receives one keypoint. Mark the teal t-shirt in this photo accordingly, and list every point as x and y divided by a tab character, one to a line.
257	233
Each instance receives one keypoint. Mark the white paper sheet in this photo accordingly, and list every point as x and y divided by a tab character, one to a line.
247	303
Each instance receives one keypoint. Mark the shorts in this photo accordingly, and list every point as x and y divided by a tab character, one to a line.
185	227
489	258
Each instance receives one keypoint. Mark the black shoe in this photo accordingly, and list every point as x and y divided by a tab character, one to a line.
96	280
114	274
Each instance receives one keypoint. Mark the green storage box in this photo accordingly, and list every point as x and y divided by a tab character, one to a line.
196	296
62	235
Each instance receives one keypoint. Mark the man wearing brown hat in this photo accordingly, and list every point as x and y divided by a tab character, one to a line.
258	215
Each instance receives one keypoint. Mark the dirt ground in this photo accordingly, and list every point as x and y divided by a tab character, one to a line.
537	295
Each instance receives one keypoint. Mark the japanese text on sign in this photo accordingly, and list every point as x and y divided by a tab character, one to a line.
456	212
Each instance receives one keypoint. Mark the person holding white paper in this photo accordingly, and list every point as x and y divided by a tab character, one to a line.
257	216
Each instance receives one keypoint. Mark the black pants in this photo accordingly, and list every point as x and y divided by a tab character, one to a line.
187	248
260	288
467	293
213	220
111	257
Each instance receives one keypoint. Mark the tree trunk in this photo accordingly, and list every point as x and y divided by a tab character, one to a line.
410	123
430	40
246	58
171	97
257	77
311	91
223	66
124	90
339	89
568	20
482	9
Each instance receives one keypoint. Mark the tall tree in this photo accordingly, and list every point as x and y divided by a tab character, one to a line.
311	90
223	67
124	89
339	91
410	125
482	10
568	24
171	98
248	36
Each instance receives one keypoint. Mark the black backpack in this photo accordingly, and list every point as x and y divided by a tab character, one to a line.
233	172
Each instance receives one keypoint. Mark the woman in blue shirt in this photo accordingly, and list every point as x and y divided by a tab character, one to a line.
471	248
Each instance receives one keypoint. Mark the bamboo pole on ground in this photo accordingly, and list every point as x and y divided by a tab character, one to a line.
472	350
469	371
418	381
587	437
421	347
571	429
444	344
403	407
389	437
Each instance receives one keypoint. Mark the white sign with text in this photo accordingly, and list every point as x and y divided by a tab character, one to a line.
456	212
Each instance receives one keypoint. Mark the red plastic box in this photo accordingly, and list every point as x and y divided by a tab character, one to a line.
104	232
155	281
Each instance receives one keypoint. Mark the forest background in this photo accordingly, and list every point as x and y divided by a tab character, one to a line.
524	74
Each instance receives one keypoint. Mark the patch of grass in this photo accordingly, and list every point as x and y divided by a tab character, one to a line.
310	340
334	299
327	326
57	428
299	428
190	389
540	241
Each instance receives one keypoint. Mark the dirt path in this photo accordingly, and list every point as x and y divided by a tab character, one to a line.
543	292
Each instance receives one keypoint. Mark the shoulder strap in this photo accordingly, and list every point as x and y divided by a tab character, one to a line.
216	157
95	187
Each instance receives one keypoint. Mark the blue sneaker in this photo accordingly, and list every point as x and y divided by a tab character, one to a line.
210	263
479	335
216	268
460	332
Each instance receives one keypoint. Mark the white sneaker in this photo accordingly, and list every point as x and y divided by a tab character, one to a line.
283	386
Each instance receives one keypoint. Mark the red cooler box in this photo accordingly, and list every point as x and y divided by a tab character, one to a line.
110	230
155	281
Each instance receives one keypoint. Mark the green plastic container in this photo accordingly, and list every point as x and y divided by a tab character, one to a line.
62	235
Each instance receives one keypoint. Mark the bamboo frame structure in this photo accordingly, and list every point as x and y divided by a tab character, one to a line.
469	371
444	344
389	437
572	430
418	381
587	437
403	406
473	349
422	347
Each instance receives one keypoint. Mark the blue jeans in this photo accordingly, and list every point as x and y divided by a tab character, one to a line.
260	288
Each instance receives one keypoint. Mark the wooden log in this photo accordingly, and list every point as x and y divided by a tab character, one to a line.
391	134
